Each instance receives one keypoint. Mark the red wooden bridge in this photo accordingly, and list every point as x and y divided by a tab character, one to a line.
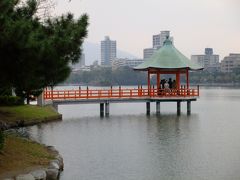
116	93
123	95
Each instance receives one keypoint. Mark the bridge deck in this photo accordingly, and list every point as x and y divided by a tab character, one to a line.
121	100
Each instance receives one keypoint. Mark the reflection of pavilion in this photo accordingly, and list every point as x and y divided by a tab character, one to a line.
167	60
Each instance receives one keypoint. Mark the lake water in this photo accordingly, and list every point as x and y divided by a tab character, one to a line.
132	146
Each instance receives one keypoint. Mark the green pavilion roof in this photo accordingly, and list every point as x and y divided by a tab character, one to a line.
168	58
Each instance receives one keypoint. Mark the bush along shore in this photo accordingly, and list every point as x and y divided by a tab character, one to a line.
21	158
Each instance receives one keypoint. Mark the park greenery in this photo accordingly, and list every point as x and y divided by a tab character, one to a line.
21	154
34	53
106	76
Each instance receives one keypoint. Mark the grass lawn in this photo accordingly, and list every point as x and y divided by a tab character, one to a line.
20	154
27	113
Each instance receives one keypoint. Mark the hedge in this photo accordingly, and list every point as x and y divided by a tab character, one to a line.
11	101
1	140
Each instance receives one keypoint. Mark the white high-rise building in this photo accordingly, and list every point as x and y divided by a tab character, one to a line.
157	42
108	51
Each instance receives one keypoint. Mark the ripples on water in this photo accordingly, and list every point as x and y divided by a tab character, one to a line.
130	145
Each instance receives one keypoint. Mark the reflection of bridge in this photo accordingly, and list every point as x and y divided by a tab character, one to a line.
120	95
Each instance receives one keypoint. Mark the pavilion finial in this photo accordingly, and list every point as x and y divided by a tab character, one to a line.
167	41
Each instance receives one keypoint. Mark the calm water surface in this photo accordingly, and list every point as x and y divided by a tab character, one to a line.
131	146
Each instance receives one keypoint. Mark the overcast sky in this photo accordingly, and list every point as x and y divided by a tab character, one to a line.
194	24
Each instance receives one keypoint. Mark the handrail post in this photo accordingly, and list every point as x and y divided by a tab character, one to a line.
153	93
181	93
111	91
185	90
87	92
79	91
138	91
198	90
51	93
119	91
141	91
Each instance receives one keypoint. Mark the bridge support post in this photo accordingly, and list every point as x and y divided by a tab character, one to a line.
55	106
40	100
178	108
148	108
157	107
107	109
101	109
188	107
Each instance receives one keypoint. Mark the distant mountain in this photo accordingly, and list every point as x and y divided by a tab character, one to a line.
92	53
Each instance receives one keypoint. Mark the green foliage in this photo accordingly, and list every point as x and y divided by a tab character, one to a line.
5	91
11	101
37	54
205	77
104	76
28	113
1	139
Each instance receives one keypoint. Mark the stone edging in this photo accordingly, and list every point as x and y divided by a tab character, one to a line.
52	172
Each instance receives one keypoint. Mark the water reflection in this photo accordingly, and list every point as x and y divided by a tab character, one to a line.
130	145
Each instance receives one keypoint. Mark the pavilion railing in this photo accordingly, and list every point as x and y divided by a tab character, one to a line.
120	93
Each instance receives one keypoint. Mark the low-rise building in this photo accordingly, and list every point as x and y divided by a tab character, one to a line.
209	61
120	62
148	52
231	62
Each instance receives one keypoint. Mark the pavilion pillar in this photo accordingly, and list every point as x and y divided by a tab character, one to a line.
158	83
158	107
178	108
149	85
148	108
178	79
188	107
101	109
187	78
107	109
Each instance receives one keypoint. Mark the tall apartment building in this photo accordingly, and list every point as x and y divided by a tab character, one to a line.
208	60
108	51
229	63
157	42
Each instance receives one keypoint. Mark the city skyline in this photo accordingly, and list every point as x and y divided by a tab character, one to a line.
194	25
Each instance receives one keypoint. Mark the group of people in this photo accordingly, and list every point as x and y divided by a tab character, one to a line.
168	84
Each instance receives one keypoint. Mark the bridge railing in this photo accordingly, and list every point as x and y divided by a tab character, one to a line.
119	93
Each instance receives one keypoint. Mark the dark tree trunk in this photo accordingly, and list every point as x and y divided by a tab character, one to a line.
28	97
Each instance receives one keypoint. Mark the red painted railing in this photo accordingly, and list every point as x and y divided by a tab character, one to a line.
119	93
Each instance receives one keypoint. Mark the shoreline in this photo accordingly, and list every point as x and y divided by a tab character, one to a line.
10	118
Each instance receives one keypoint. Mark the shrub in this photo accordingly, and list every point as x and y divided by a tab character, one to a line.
1	140
10	100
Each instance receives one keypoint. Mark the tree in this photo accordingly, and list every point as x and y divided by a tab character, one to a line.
36	54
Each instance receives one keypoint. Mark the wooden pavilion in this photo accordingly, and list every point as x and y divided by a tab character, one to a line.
168	60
